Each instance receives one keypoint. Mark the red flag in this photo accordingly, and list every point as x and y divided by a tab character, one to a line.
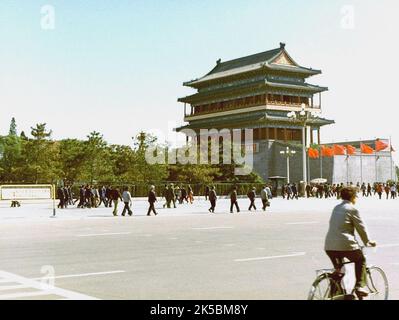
350	150
313	153
379	145
366	149
327	152
339	150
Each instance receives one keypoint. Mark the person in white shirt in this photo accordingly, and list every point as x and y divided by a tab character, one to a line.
127	199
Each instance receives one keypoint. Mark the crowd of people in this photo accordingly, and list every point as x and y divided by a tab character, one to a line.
91	196
367	190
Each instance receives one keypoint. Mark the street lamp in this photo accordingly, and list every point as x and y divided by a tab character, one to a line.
302	117
288	153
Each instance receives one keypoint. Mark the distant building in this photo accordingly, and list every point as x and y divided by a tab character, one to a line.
368	168
258	92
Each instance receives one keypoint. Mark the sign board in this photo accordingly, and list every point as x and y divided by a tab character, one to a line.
25	192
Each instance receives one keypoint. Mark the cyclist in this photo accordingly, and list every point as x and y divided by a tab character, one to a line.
340	240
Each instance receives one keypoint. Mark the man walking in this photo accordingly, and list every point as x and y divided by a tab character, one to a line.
265	198
152	198
233	200
115	195
369	188
212	199
127	199
252	195
294	191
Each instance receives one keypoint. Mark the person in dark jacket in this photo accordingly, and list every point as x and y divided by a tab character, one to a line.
233	200
108	201
251	196
115	196
81	197
171	196
212	199
152	198
61	197
102	192
88	196
206	192
294	190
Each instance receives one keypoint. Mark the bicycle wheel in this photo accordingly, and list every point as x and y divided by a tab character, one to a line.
325	288
377	283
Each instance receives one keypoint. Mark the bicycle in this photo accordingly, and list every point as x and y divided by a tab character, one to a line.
329	285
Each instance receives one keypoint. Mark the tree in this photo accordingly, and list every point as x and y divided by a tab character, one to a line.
40	157
71	159
97	165
10	158
13	128
40	133
145	172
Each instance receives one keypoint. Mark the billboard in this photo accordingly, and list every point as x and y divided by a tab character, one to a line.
25	192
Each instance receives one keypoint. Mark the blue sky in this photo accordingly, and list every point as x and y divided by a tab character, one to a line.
118	66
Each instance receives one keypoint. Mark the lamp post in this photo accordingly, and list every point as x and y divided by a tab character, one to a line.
288	153
302	117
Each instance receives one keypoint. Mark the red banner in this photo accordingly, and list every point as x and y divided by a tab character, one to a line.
327	152
366	149
350	150
379	145
313	153
339	150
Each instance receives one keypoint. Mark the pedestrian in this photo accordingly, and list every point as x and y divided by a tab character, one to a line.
183	195
61	197
393	191
387	190
212	199
102	194
233	200
294	191
369	189
81	197
265	198
364	189
115	196
269	192
288	191
165	195
152	198
88	196
171	196
108	199
15	203
308	190
190	194
206	192
127	199
251	196
379	190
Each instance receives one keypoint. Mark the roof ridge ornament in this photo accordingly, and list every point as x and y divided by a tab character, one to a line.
282	45
218	61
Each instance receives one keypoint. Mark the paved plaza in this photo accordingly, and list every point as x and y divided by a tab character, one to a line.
183	253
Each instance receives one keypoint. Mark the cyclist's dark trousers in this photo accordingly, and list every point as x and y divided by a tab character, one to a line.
355	256
234	203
